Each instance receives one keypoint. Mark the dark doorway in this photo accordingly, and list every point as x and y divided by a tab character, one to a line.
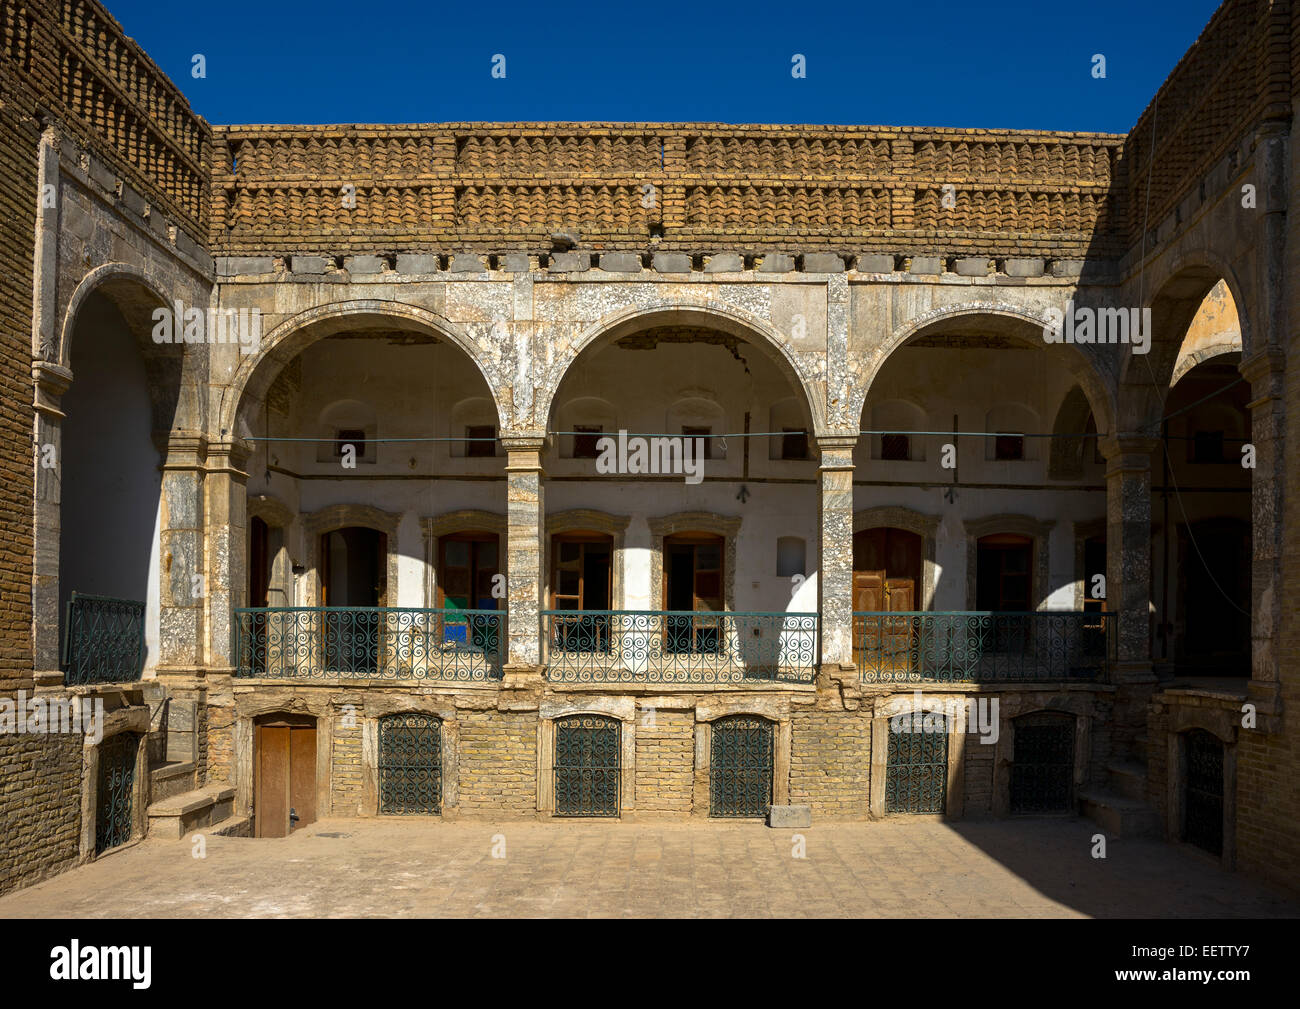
115	791
587	749
916	770
410	764
1214	599
740	766
1042	771
693	583
1203	791
354	564
581	580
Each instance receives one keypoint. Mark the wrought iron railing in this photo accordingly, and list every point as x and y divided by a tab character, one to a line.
983	647
369	642
675	646
103	640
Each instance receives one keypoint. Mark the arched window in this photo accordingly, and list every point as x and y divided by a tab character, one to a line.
410	764
740	766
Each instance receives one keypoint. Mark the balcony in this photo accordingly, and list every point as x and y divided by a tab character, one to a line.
984	647
666	647
369	642
103	640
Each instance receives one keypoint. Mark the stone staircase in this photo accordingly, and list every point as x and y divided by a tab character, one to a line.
1120	807
206	810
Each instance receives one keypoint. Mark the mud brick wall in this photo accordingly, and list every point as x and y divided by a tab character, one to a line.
345	772
830	762
665	762
498	762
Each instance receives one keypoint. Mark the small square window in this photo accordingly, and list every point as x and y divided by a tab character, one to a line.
897	447
1207	446
791	556
480	440
701	432
584	440
354	436
1008	446
794	443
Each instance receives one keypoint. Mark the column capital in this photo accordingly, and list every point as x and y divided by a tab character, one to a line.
229	456
1269	362
51	381
523	441
836	449
1127	452
182	449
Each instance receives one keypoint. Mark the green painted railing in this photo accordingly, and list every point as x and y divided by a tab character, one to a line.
983	647
369	642
103	640
676	646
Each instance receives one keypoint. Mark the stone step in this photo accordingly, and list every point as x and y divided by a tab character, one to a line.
1119	815
175	817
172	779
1128	778
231	826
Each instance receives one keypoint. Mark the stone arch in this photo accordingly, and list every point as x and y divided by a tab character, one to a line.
1067	454
909	520
1145	379
727	319
122	283
1012	321
619	709
257	371
1209	353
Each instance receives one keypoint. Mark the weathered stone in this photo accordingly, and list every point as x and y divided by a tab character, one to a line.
973	266
1067	267
464	262
926	266
776	262
620	262
241	266
672	262
875	262
515	262
822	262
417	263
1024	267
570	262
308	264
789	816
724	262
364	265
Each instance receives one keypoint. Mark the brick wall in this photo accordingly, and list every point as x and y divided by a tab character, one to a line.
830	762
978	798
40	807
665	762
498	762
345	772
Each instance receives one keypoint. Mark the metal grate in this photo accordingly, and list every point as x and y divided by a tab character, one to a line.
410	764
1042	772
916	774
740	766
587	766
103	640
1203	794
115	791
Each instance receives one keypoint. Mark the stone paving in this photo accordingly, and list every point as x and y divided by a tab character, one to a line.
913	867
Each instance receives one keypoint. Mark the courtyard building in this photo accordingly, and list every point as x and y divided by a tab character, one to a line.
431	471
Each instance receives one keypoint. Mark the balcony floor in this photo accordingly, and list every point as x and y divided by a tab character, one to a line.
901	867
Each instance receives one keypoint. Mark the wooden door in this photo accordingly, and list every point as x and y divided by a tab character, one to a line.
694	580
581	579
886	573
284	788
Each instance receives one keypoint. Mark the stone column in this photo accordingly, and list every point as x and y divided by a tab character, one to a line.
1266	374
835	573
227	548
525	551
51	383
1128	580
183	579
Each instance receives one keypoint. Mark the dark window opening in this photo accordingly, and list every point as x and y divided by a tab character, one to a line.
701	432
584	440
354	436
480	440
1008	446
794	443
897	447
1207	447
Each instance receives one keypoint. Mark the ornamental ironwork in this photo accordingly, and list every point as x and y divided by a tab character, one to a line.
115	791
1042	772
587	766
680	646
1203	792
369	642
983	647
916	770
104	640
740	766
410	764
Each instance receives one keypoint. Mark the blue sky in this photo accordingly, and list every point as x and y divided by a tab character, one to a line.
1007	63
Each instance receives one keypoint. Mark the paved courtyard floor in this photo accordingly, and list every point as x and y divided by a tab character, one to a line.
893	868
